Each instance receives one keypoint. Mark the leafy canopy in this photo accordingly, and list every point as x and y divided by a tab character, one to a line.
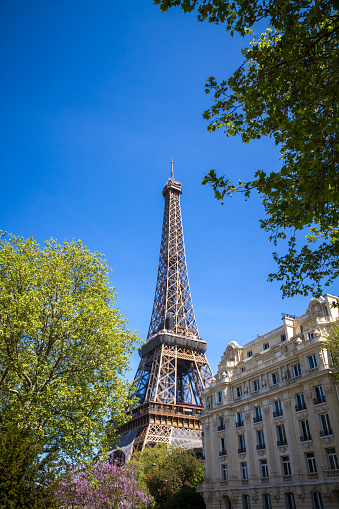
164	471
287	89
27	476
64	347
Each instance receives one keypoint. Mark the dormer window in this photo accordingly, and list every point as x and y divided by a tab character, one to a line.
250	353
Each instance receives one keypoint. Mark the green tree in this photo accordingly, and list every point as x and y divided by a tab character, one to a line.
287	89
27	476
332	346
165	471
64	347
186	498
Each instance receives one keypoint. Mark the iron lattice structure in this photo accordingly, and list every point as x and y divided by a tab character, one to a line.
173	369
172	306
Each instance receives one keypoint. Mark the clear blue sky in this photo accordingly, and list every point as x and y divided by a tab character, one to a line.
96	98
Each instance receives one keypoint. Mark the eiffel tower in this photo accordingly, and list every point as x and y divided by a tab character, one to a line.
173	369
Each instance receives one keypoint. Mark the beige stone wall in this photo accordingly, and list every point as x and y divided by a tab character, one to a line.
273	400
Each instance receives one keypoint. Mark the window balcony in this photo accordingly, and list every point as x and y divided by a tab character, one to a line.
239	424
257	419
326	432
281	442
278	413
221	427
306	438
241	450
300	406
223	453
260	447
319	400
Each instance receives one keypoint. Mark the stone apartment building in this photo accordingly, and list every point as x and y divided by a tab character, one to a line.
271	419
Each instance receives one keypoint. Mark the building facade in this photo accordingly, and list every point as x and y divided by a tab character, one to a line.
271	419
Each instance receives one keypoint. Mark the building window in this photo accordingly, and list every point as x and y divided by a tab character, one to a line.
222	444
286	466
249	354
325	425
296	370
332	459
263	468
310	460
241	443
311	335
256	385
239	422
305	431
283	338
275	378
319	395
301	328
257	414
266	346
282	440
218	397
301	405
243	369
277	412
246	502
312	361
317	500
266	501
260	440
221	425
243	470
224	473
238	392
289	501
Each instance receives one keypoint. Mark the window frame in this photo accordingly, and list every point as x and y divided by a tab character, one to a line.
286	465
312	361
263	469
332	459
244	471
310	463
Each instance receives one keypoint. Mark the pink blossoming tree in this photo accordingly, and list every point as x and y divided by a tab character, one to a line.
103	486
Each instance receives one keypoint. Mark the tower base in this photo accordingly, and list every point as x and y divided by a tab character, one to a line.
153	423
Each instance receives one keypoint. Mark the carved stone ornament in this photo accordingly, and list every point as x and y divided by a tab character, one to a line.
266	410
308	396
315	310
242	456
264	383
245	390
327	389
247	416
287	403
283	449
300	493
207	427
276	494
227	420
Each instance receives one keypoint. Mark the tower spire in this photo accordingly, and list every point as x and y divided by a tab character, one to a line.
173	370
172	308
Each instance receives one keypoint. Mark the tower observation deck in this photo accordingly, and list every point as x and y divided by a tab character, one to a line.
173	369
